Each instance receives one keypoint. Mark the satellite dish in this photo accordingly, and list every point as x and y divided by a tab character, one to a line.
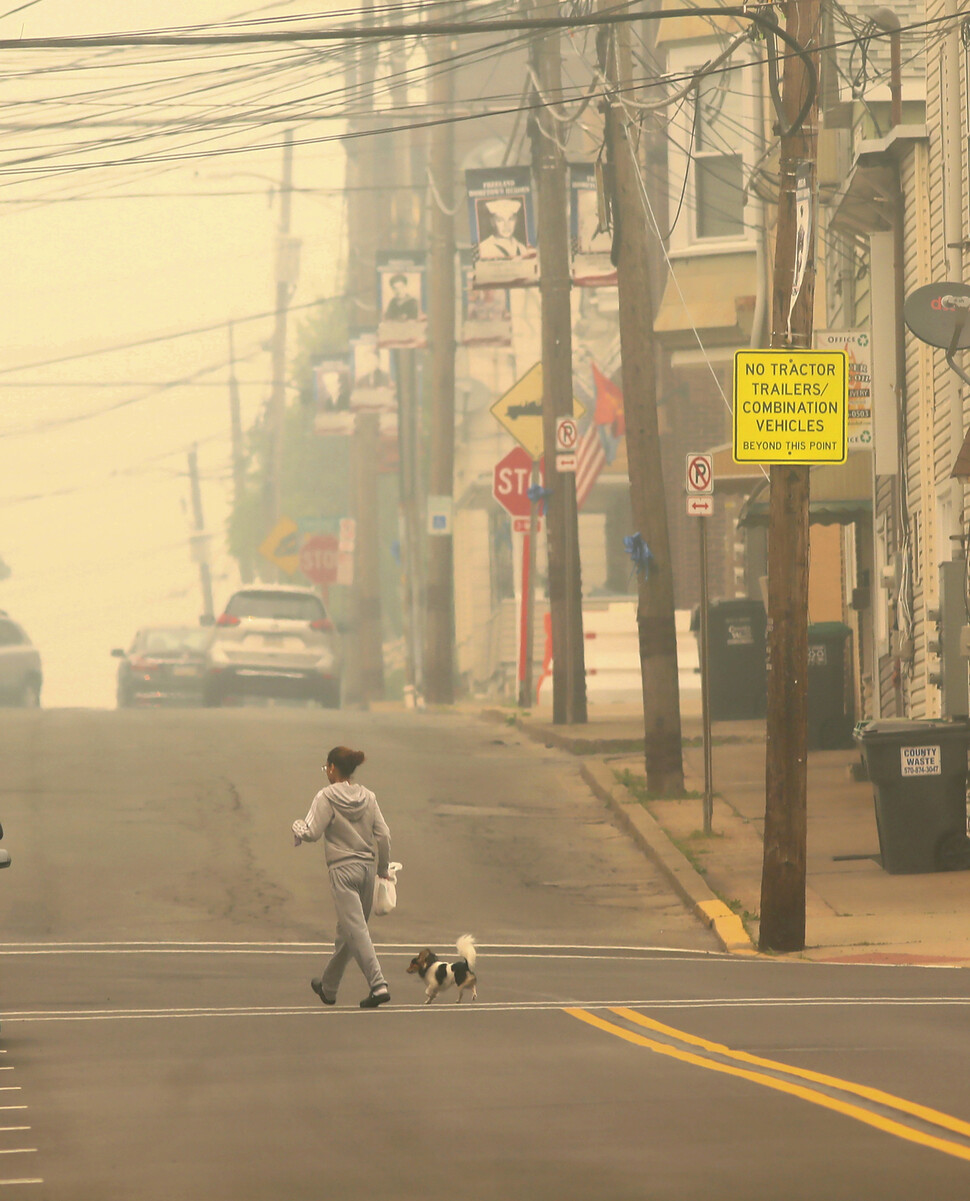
937	312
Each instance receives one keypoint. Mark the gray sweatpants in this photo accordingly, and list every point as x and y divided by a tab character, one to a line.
352	883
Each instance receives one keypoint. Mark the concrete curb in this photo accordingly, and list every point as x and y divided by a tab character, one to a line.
646	832
565	742
651	838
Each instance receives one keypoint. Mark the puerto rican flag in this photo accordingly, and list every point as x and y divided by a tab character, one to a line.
599	442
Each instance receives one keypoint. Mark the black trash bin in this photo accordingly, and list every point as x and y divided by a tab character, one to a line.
919	775
830	703
736	658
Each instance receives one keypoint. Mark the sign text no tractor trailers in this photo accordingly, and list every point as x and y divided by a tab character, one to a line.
790	406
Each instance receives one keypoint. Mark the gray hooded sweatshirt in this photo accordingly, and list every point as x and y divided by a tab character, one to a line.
348	815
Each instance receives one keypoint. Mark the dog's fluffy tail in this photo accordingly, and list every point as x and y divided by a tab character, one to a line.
466	948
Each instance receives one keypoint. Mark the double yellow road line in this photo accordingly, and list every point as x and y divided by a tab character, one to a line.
892	1115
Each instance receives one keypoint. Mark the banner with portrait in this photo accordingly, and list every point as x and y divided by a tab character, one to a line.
501	215
331	396
373	383
402	300
592	242
331	384
486	313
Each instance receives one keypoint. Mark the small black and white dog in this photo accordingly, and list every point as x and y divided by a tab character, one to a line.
438	975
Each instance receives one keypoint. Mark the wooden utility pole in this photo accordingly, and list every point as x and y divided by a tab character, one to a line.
285	281
655	599
365	221
200	544
409	502
439	653
562	520
793	298
404	230
238	460
367	542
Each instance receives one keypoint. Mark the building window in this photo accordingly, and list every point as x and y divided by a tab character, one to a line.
718	163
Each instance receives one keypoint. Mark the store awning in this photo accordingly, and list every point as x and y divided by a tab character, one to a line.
841	493
714	294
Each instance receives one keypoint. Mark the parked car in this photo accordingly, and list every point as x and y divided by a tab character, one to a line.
274	641
21	676
164	665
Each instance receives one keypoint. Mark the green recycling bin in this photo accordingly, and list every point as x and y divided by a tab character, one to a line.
830	703
919	775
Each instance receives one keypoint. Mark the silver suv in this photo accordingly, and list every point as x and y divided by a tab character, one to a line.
21	676
274	642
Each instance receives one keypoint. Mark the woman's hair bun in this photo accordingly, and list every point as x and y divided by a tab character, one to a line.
345	760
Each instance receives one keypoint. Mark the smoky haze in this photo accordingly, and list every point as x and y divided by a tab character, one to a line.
141	194
95	509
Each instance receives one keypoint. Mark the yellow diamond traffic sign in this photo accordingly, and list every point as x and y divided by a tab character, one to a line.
791	406
281	545
520	411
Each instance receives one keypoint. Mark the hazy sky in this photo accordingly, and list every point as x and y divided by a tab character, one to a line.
89	261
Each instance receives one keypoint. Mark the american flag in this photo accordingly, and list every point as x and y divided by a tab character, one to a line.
597	446
590	461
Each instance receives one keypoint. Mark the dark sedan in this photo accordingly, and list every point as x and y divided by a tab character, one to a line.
164	665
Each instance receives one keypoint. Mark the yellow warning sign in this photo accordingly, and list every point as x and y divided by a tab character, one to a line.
282	545
520	411
790	406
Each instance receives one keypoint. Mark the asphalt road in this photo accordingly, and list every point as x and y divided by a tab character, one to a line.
159	1038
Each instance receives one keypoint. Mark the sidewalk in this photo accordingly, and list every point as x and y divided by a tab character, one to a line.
854	910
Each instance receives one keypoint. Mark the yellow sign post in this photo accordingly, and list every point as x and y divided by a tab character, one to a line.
282	545
791	406
520	411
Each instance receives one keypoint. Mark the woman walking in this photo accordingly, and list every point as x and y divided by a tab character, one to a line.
348	817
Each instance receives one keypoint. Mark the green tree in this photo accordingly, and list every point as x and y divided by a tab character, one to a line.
315	473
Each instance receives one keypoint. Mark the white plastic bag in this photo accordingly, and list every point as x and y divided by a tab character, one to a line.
385	892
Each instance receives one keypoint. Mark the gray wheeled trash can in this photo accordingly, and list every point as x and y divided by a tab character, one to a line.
919	775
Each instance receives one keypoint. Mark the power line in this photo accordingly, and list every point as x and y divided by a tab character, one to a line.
19	9
157	338
53	423
128	383
189	155
226	194
387	32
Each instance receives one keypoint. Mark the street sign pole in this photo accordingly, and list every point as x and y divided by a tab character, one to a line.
525	623
706	688
527	641
700	503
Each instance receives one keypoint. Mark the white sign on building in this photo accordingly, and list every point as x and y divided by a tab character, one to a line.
857	345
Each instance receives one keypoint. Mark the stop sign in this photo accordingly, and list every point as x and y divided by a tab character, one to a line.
511	481
319	557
